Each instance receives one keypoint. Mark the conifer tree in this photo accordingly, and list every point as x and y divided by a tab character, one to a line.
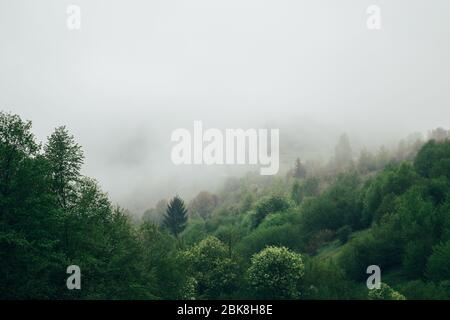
176	216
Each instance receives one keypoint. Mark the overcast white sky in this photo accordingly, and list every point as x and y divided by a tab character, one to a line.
139	69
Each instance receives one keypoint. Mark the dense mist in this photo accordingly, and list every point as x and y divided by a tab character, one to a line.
138	70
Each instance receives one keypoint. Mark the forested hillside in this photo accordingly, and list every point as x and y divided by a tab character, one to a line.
309	234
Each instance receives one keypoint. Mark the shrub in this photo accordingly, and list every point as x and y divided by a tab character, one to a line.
276	273
385	293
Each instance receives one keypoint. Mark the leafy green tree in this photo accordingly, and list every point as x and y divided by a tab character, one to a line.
339	205
29	220
176	216
379	194
286	235
426	290
433	159
215	273
164	267
308	188
415	258
65	158
276	273
195	231
317	284
311	187
17	144
230	236
385	293
382	246
319	214
420	222
271	204
438	266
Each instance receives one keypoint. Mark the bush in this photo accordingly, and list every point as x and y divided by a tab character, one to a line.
385	293
215	273
276	273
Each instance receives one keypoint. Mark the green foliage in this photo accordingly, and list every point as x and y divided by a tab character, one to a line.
421	290
433	159
307	188
230	236
215	273
65	158
51	217
382	247
176	216
164	266
297	194
195	231
283	235
271	204
379	194
385	293
276	273
43	230
325	280
438	266
343	233
415	258
335	208
318	239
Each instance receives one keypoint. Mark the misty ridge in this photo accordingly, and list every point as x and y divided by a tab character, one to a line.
317	159
144	175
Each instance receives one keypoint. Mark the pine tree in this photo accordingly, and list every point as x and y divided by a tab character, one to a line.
176	216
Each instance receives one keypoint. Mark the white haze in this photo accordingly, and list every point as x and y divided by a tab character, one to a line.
139	69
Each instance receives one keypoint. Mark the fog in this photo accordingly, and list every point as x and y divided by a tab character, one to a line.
137	70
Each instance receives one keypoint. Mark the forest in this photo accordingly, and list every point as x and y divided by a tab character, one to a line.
308	234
